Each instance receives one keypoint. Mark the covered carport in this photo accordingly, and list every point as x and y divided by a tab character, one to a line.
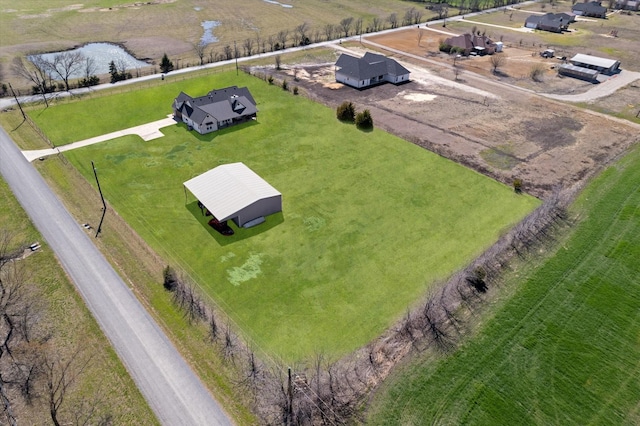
234	191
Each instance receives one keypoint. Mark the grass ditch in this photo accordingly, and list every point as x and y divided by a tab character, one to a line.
559	344
104	384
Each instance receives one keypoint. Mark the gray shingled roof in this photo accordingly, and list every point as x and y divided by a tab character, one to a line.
369	66
223	104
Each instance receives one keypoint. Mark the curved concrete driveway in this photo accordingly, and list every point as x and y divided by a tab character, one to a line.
147	132
173	391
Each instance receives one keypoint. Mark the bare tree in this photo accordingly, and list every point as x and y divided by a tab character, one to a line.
317	36
271	41
329	31
200	51
89	67
417	17
295	38
358	26
36	73
393	20
496	62
301	31
61	376
345	25
248	47
65	65
408	16
420	35
278	60
228	52
376	24
282	37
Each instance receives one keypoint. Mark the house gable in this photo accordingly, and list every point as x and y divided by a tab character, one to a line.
368	70
217	109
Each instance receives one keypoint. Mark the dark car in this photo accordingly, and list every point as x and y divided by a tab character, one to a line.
221	227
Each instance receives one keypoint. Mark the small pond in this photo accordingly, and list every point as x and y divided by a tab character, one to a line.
208	36
103	54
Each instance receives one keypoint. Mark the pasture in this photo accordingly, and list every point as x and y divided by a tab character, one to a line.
150	29
564	348
369	221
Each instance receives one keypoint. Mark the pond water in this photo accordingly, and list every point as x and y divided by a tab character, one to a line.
288	6
208	27
103	54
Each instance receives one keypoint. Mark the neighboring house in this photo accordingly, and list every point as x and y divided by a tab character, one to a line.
216	110
468	43
628	4
369	70
235	192
554	22
602	65
593	9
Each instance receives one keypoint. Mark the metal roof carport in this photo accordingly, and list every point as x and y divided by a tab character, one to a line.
234	191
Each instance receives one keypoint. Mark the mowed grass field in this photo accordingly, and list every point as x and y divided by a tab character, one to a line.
369	221
565	349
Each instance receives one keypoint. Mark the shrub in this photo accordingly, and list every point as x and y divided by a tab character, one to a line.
517	185
346	112
364	120
295	90
170	279
285	85
444	47
536	72
270	80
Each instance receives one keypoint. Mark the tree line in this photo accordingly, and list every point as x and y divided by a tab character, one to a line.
34	371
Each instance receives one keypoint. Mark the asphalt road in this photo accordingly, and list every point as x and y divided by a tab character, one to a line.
172	389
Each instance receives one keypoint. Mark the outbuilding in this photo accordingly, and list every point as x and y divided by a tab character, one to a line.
603	65
234	191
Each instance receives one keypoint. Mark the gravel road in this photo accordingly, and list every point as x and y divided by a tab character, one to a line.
172	389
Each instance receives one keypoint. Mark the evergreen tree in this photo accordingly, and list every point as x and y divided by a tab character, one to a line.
166	65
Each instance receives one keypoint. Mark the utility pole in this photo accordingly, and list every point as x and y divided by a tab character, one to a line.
17	102
235	53
104	205
290	402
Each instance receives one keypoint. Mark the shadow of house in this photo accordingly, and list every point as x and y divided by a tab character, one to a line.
216	110
369	70
553	22
592	9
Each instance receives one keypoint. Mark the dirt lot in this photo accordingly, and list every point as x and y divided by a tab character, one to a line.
497	130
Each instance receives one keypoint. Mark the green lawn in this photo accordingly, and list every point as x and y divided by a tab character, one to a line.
369	222
565	349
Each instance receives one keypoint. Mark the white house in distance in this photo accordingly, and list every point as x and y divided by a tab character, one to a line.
234	191
369	70
216	110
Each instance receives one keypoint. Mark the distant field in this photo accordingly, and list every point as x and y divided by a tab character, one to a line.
369	222
149	29
565	349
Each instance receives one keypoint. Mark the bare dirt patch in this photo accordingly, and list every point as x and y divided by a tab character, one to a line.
509	134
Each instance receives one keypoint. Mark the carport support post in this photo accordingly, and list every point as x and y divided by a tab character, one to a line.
104	205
